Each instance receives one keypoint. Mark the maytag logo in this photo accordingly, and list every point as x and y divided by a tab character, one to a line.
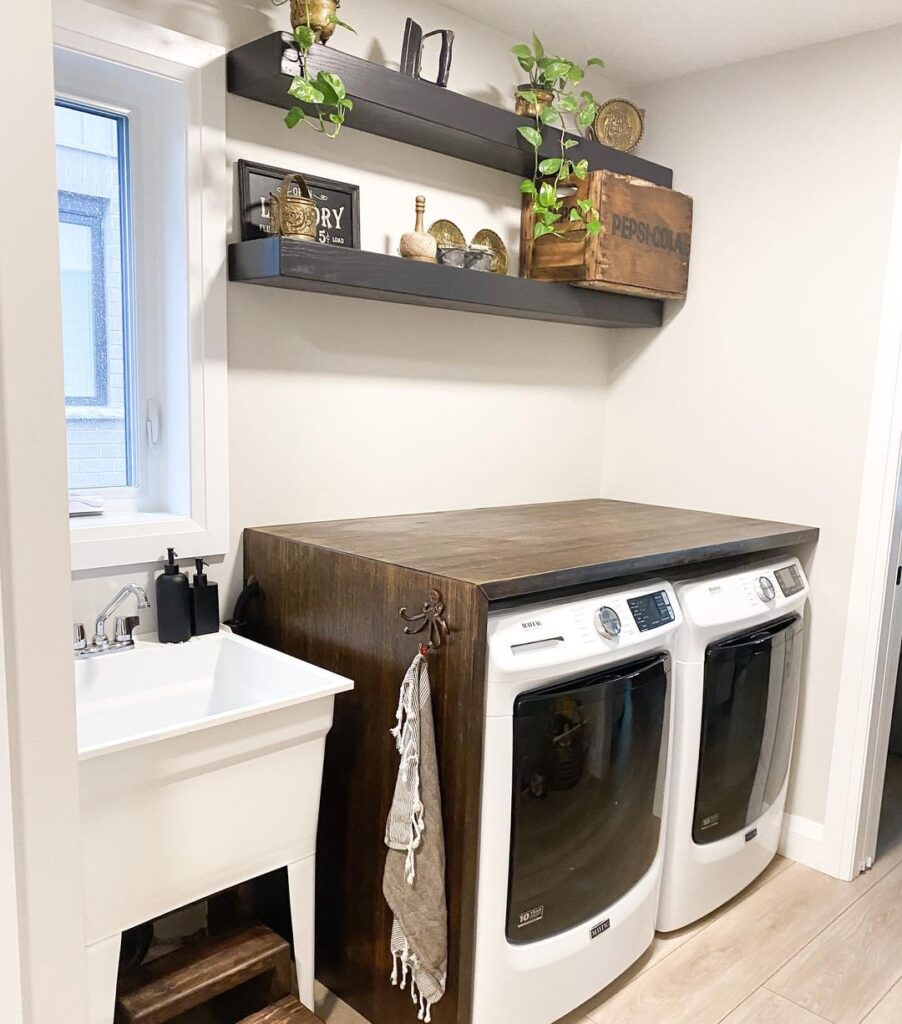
599	929
750	835
531	916
532	624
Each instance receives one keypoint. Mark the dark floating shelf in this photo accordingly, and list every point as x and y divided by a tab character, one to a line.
310	266
389	104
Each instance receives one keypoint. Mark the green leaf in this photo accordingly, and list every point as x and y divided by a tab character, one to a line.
595	62
305	91
541	229
521	50
528	187
347	103
551	166
594	227
584	205
576	74
537	45
337	119
587	96
527	63
305	36
335	20
528	133
570	143
568	104
294	117
586	115
581	169
555	69
550	116
574	215
528	95
547	194
331	86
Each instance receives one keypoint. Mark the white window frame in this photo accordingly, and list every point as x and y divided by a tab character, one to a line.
191	478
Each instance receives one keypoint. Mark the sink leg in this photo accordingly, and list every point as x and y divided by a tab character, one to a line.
302	893
103	970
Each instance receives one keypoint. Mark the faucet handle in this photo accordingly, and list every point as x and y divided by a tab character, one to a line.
123	627
79	640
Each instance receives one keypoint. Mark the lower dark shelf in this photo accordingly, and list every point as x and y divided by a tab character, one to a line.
310	266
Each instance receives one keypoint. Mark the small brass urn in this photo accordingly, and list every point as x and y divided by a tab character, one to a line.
319	15
418	244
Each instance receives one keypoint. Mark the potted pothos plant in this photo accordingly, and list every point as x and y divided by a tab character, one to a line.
551	96
314	22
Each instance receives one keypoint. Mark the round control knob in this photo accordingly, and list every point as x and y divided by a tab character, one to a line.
608	623
765	589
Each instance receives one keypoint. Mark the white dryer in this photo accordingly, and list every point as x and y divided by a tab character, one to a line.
736	694
576	746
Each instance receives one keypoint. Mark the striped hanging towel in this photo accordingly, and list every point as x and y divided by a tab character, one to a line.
414	880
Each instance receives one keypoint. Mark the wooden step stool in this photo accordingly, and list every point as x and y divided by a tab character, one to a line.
285	1011
201	972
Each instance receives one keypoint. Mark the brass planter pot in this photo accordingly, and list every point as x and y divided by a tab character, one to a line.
544	99
320	14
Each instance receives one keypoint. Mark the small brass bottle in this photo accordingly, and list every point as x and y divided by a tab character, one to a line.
419	244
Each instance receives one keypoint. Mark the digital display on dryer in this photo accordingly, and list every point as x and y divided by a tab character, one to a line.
651	610
790	580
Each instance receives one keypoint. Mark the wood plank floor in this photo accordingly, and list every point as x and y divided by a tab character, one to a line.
796	948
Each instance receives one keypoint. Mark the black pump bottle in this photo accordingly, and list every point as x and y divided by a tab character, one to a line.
173	604
204	603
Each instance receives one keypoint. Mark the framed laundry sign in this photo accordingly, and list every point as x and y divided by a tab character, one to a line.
337	204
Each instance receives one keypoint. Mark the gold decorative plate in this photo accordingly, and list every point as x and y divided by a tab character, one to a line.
448	234
620	124
487	239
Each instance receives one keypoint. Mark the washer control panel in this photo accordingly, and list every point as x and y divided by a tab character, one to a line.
651	610
790	580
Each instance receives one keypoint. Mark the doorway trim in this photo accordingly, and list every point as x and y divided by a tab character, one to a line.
867	676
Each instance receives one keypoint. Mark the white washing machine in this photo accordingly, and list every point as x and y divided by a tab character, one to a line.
736	694
576	746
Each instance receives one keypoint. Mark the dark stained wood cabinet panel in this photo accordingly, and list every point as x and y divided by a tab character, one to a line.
525	550
340	611
421	114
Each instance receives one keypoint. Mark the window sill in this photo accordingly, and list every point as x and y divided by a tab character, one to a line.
117	539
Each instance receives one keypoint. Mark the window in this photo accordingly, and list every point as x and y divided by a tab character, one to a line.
95	279
143	195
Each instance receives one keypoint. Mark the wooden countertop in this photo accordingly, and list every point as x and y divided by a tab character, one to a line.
520	550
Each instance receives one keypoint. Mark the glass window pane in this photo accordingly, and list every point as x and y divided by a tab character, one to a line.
92	172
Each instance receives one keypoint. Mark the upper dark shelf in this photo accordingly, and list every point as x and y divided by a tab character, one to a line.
389	104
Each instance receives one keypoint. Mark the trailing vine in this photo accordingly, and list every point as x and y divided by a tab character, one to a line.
561	79
325	92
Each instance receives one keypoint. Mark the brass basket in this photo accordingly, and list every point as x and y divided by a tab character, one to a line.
320	13
293	216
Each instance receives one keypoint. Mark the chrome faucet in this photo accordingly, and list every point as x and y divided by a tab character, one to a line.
122	639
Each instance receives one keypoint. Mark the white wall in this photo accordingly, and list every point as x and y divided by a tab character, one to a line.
755	398
346	408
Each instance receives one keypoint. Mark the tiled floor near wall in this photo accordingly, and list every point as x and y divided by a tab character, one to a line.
796	948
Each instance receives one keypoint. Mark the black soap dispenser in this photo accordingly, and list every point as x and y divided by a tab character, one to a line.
204	603
173	604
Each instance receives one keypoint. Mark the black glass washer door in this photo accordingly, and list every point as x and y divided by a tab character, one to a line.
588	780
751	694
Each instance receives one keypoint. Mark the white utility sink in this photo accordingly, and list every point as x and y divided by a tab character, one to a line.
200	767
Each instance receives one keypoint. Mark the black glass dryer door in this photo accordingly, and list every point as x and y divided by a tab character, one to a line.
588	782
751	694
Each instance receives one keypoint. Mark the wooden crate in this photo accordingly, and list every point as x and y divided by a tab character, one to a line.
643	248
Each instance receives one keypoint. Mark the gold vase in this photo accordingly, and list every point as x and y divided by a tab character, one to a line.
317	14
544	99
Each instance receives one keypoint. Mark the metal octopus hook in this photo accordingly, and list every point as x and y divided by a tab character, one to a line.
431	618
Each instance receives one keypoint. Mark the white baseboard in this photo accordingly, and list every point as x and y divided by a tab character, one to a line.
803	841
